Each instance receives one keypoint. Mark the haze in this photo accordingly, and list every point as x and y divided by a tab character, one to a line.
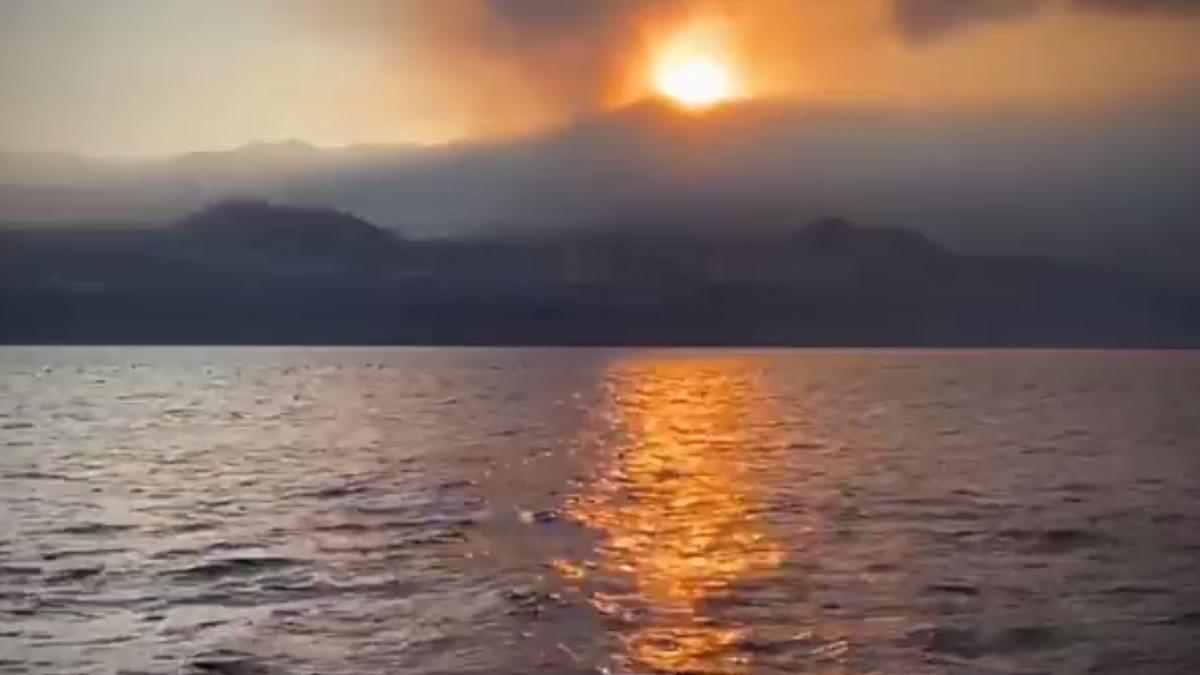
1061	127
736	337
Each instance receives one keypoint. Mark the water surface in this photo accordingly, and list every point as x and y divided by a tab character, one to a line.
252	510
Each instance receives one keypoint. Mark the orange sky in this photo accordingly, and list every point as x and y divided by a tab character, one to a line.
816	51
158	76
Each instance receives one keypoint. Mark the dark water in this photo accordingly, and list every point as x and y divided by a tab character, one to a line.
595	511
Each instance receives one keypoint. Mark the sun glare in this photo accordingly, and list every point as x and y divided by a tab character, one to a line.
696	83
693	68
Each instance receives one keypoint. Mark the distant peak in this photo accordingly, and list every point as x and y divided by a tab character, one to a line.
250	224
290	145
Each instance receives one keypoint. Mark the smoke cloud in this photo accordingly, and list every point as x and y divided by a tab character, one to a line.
1166	7
143	76
921	20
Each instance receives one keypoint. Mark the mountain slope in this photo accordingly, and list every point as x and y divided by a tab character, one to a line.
250	272
1033	183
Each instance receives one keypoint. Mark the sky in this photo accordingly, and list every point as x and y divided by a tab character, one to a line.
155	77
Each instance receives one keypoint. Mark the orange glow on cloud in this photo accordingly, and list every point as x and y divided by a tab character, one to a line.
427	72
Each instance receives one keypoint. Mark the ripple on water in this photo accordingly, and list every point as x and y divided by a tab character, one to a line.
582	511
1055	540
88	529
231	566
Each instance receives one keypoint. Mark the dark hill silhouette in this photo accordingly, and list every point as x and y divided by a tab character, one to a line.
265	228
247	271
1110	188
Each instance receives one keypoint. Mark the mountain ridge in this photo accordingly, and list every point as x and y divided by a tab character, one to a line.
251	272
1032	184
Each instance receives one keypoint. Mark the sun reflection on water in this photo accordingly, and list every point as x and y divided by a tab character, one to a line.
678	510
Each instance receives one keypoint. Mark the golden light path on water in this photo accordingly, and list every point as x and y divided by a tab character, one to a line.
677	508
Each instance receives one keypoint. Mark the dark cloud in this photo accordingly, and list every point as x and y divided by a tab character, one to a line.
1142	6
561	52
921	20
541	14
570	47
916	20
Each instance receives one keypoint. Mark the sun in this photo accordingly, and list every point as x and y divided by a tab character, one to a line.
693	67
697	82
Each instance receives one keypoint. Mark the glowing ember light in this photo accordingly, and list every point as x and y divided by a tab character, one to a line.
693	69
696	83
